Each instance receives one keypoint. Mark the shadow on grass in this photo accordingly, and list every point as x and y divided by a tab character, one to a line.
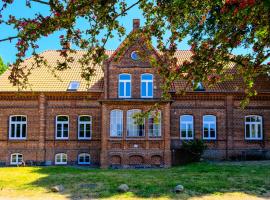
199	179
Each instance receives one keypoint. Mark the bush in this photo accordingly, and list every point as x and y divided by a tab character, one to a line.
192	150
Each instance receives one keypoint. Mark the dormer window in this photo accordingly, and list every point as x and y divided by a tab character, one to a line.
124	86
73	86
198	86
147	86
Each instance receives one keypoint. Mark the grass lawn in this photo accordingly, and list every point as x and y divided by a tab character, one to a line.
201	181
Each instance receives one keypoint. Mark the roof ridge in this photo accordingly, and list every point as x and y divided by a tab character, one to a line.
48	50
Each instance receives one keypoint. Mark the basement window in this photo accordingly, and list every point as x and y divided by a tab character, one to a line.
16	159
61	159
73	86
84	159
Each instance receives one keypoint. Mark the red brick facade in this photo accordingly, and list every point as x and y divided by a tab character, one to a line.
41	109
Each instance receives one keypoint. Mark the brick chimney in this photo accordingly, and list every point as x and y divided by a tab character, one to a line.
136	24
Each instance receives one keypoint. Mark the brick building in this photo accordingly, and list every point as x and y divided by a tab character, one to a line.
60	118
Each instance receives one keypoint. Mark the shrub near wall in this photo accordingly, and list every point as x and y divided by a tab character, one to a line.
191	151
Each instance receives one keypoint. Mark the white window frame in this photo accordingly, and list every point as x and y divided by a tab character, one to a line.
147	86
61	159
186	124
17	162
84	163
130	119
84	123
112	121
62	125
159	128
125	86
17	123
209	123
256	126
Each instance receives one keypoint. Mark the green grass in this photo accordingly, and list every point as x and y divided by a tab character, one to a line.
199	180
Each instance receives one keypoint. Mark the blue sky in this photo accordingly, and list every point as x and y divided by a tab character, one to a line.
8	50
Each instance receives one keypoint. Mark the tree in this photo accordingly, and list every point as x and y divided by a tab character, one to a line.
215	28
3	67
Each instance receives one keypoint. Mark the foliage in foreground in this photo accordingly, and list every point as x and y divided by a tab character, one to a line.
3	67
214	28
199	179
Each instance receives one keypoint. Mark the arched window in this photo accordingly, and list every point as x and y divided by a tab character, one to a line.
154	124
84	159
17	127
147	86
124	86
116	123
85	127
61	159
186	127
134	128
16	159
253	127
62	127
209	127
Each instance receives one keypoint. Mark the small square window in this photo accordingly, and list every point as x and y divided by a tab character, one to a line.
74	85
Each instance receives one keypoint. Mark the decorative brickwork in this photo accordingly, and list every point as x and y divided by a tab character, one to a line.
42	105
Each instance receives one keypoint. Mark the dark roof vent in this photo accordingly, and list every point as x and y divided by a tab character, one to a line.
136	24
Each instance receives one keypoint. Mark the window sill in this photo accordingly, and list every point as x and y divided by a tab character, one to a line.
60	139
186	139
155	138
18	139
136	138
83	139
124	97
210	140
254	140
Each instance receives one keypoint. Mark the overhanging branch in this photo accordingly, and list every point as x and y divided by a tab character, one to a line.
8	39
42	2
128	8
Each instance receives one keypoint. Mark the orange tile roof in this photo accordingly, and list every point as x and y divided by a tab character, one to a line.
262	84
43	80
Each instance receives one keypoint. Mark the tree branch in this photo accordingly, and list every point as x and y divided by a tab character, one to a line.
42	2
9	38
128	8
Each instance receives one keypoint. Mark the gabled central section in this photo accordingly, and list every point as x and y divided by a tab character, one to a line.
132	86
128	72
